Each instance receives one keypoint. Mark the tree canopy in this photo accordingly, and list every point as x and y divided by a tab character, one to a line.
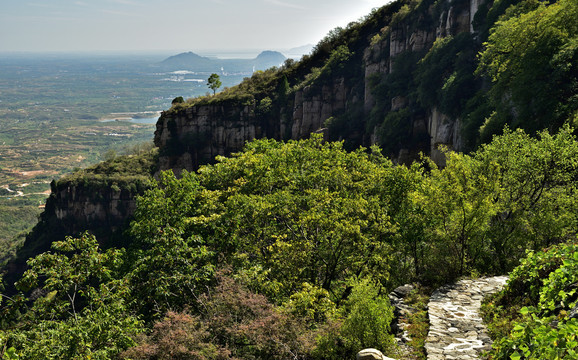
214	82
532	60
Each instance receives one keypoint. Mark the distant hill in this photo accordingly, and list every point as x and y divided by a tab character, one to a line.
300	51
193	62
267	59
185	61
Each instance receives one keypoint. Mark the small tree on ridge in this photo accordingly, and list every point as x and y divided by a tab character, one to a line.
214	82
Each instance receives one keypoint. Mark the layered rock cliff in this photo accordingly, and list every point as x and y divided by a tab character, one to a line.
340	104
100	199
79	207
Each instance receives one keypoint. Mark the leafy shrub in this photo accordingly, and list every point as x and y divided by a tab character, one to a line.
530	56
178	336
79	309
546	282
364	322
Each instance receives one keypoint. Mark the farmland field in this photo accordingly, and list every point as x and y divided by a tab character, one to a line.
61	112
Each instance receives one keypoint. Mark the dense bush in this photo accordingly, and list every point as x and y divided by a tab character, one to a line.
534	317
531	58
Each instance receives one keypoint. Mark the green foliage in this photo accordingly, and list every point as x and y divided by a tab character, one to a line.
127	172
79	311
531	59
312	304
336	65
214	82
298	221
364	323
418	321
170	265
329	218
482	210
394	128
546	283
260	85
178	100
367	323
445	75
314	236
264	107
16	217
458	203
537	191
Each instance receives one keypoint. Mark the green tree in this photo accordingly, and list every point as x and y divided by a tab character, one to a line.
365	320
306	211
483	210
178	100
537	190
78	309
532	317
171	264
457	204
214	82
531	59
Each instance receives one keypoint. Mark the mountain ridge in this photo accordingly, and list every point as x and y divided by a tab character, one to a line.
194	62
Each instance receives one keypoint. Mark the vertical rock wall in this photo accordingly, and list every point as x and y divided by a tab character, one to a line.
457	17
78	209
196	135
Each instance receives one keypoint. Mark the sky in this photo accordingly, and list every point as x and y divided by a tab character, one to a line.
171	25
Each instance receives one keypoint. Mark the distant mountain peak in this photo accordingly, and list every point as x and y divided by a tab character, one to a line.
184	56
194	62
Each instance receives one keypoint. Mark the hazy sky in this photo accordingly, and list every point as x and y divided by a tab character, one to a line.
95	25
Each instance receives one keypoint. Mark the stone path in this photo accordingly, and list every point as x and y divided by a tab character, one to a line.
456	329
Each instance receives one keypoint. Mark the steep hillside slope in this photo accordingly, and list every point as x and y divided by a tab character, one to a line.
406	77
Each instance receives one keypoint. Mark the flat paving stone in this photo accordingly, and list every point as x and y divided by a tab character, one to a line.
456	329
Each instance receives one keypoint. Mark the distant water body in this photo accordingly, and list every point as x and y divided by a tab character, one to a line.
152	120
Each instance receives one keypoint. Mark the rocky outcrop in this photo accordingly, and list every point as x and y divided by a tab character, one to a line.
414	35
78	208
196	135
401	311
313	107
443	132
192	136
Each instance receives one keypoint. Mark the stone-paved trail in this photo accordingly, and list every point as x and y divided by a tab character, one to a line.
456	329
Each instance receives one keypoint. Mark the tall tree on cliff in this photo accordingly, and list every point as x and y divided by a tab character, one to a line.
214	82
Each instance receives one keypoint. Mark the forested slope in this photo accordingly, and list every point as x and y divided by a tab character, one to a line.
287	247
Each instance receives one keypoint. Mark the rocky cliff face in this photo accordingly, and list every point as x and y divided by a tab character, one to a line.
78	208
70	210
195	135
439	128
